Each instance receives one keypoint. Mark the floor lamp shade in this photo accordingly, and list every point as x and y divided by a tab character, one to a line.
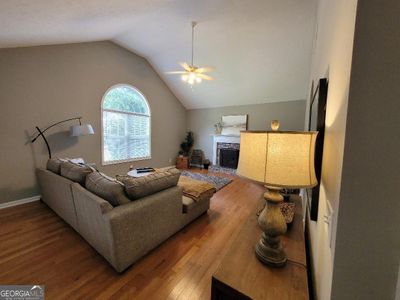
283	159
82	129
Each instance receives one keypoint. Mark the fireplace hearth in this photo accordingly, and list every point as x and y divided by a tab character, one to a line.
229	158
228	155
222	143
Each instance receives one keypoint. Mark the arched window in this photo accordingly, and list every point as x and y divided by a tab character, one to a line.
125	125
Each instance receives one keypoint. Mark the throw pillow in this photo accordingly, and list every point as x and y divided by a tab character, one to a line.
54	165
74	172
107	188
138	187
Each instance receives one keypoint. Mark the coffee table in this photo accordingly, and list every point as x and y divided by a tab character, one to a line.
134	173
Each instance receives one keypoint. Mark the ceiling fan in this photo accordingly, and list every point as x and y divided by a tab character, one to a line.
191	73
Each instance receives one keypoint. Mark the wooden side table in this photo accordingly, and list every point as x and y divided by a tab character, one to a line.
242	276
182	162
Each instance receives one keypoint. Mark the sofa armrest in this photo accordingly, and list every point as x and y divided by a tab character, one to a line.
92	222
56	193
141	225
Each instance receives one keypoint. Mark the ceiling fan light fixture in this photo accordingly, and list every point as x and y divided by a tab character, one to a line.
192	74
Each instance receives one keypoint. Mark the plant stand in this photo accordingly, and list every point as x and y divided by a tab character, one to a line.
182	162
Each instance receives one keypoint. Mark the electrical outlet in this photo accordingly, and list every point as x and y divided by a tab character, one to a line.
328	219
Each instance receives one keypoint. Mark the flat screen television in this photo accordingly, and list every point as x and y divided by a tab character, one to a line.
317	123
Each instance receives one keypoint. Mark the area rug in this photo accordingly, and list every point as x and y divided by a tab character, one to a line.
218	182
222	170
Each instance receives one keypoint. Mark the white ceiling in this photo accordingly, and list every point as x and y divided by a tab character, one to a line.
261	49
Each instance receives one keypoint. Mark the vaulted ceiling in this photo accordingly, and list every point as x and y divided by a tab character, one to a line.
261	49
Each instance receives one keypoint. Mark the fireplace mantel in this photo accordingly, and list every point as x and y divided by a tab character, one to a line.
218	138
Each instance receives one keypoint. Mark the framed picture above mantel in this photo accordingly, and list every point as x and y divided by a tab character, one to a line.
233	124
316	122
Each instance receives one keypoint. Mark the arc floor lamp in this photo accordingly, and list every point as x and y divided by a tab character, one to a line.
75	130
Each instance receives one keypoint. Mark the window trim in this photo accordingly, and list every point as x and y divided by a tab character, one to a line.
115	162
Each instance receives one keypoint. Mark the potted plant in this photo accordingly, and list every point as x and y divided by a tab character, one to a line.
187	144
206	163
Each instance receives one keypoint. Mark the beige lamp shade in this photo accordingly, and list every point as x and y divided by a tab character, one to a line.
278	158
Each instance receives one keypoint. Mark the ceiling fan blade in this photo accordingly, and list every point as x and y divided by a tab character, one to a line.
186	66
204	69
176	72
204	76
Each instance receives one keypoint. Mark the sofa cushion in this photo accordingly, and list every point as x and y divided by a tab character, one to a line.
138	187
107	188
54	165
75	172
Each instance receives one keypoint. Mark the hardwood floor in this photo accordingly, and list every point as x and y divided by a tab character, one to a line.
37	247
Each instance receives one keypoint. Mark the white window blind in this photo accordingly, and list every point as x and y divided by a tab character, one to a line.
126	126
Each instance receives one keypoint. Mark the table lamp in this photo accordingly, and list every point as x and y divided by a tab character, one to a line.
278	159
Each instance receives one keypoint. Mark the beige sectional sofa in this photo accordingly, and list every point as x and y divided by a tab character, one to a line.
121	234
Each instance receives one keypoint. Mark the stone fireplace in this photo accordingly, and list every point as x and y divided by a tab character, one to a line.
226	151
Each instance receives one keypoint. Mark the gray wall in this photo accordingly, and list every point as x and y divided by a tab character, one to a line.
398	285
332	55
367	240
42	85
201	121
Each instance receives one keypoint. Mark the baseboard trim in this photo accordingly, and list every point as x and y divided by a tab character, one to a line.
19	202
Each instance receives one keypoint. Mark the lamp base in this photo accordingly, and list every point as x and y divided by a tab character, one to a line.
273	257
269	249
